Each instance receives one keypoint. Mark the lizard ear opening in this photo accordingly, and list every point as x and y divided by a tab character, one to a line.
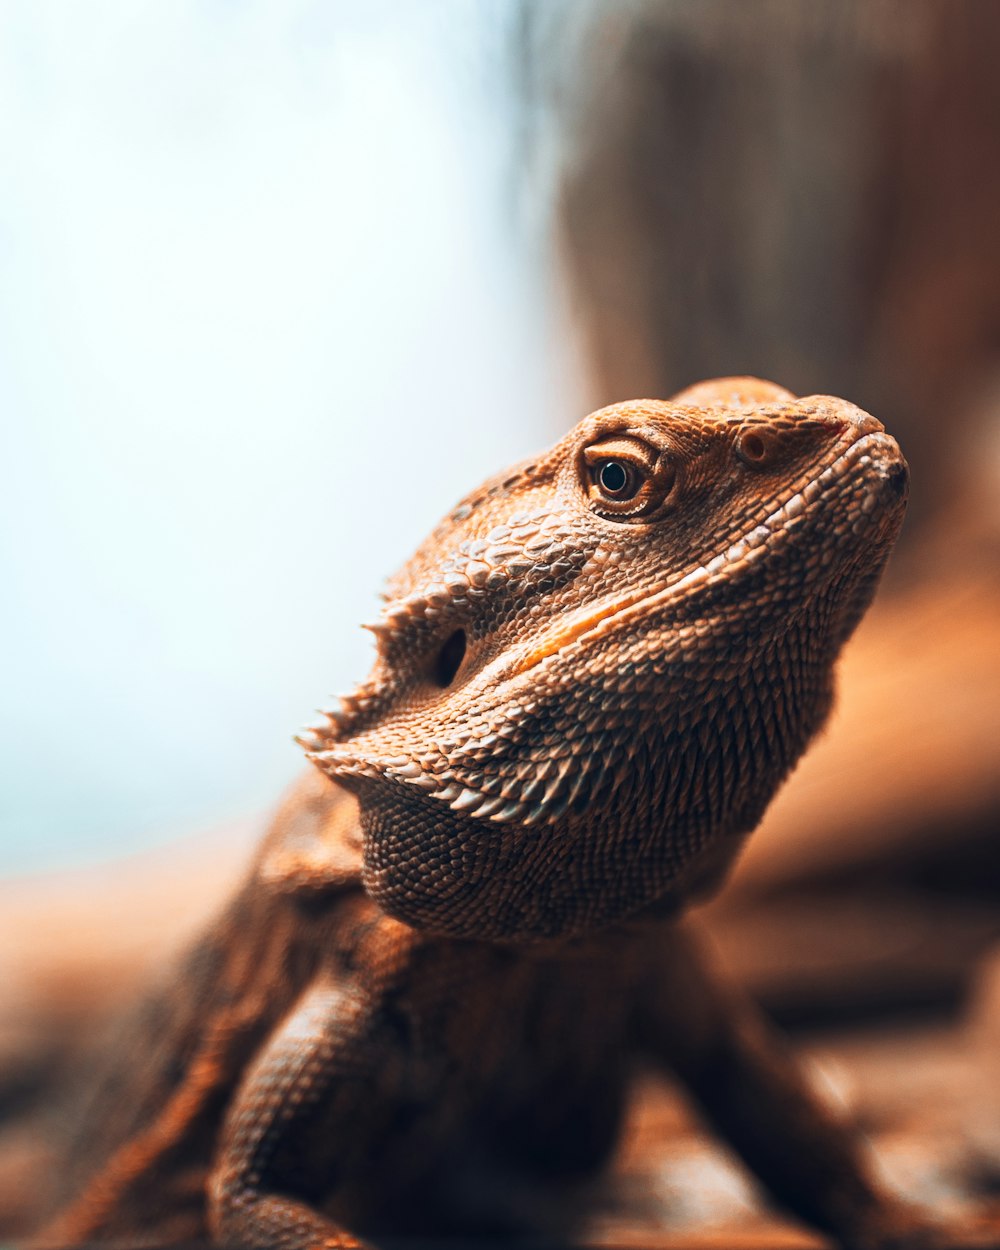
449	659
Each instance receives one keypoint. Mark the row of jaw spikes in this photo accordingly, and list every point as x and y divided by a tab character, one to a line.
531	799
397	613
339	721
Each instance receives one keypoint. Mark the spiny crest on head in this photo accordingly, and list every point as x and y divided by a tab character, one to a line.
397	614
339	721
463	518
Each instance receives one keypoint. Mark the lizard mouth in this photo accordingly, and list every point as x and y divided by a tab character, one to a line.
738	558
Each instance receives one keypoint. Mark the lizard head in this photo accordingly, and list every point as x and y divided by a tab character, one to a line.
595	672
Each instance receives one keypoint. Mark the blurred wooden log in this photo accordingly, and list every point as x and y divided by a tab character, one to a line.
75	945
873	884
804	192
907	776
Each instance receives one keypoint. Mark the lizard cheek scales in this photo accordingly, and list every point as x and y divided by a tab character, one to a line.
596	672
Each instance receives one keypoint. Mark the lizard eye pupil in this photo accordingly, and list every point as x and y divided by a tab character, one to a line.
613	478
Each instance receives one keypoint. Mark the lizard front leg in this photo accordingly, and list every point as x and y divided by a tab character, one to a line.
750	1088
317	1066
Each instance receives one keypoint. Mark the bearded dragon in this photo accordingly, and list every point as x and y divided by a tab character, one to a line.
463	929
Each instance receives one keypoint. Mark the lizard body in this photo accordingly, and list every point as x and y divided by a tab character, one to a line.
462	931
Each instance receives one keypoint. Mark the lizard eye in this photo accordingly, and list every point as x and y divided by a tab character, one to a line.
625	477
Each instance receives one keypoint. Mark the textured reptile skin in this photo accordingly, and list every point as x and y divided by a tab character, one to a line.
426	1002
662	664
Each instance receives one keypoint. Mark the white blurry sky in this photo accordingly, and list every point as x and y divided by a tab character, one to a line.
266	310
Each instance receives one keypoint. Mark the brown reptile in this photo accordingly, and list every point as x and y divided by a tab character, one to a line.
461	933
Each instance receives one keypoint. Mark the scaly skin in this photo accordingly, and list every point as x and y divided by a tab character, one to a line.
462	931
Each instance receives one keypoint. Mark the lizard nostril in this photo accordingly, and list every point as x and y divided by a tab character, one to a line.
449	659
751	448
898	478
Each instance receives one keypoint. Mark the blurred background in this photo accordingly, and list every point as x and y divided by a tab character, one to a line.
280	281
267	308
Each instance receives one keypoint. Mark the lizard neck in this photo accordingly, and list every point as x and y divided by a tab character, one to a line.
699	778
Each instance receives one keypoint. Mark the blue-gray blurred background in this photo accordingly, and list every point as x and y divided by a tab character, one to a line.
269	301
